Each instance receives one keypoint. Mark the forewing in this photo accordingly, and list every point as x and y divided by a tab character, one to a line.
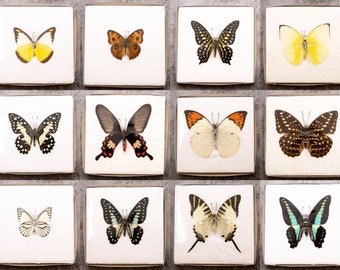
139	120
20	126
26	227
292	217
137	216
43	50
24	51
204	39
318	216
292	42
226	38
325	123
317	41
203	141
44	131
42	227
107	120
114	219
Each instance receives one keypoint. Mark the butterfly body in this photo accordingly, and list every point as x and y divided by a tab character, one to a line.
298	47
209	45
298	137
120	225
136	125
209	136
38	225
37	136
207	221
29	47
310	225
129	46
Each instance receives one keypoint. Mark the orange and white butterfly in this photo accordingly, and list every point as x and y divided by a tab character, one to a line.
129	46
29	47
38	225
222	137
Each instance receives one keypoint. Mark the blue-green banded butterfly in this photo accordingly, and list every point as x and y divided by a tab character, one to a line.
121	225
309	226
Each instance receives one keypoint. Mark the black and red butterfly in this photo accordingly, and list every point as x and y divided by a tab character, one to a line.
111	126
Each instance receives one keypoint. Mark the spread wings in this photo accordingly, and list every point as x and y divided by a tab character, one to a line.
30	225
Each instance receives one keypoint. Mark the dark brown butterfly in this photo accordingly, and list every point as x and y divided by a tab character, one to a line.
298	137
111	126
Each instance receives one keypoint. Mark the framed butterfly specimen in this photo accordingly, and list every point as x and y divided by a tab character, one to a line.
38	225
121	225
298	47
111	126
298	137
209	45
29	47
310	225
209	136
28	135
206	221
125	46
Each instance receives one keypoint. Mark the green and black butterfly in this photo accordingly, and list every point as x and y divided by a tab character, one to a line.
28	135
209	44
309	226
121	225
111	126
207	221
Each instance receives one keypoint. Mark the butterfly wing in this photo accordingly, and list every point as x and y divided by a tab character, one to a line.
293	49
293	218
110	125
291	143
20	126
44	131
25	49
137	216
204	39
114	219
26	228
318	143
227	141
226	38
317	217
317	41
203	216
136	125
43	50
132	47
203	141
42	228
226	216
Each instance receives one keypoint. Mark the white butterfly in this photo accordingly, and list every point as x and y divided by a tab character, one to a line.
30	225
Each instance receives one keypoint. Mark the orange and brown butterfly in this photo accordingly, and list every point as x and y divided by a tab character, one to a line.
125	46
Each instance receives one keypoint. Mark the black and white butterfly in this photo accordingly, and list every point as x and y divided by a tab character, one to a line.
111	126
220	44
124	225
28	135
30	225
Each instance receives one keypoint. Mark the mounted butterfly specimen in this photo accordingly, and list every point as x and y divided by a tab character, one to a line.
210	45
121	225
298	137
310	225
38	225
111	126
28	135
220	136
298	47
29	47
125	46
206	221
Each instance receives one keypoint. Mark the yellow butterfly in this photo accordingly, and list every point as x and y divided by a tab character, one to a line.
298	47
29	47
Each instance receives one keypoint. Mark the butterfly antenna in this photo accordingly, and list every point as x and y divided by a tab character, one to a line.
193	245
232	240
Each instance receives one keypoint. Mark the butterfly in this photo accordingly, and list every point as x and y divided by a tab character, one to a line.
208	136
111	126
121	225
298	47
29	47
129	46
313	137
29	135
207	221
309	226
30	225
209	44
